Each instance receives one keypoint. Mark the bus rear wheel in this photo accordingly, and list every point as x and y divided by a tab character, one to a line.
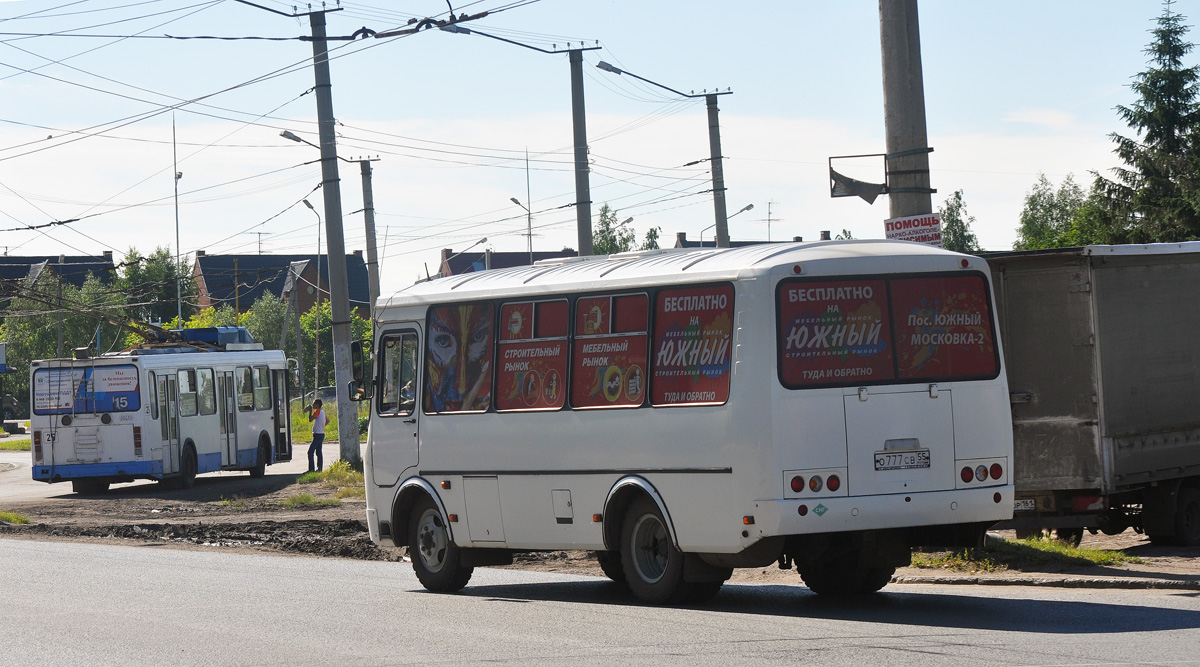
610	564
653	566
843	578
187	468
260	465
435	558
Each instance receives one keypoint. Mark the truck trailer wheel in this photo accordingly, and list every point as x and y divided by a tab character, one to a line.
1187	517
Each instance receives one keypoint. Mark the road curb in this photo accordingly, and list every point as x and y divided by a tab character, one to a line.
1054	582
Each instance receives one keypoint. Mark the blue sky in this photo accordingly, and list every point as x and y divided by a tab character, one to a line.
1012	90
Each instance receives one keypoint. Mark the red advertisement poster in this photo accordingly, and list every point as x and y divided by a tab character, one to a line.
834	332
593	316
609	371
943	327
458	361
516	321
532	375
693	338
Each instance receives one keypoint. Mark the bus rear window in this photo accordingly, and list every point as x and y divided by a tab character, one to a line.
859	331
97	389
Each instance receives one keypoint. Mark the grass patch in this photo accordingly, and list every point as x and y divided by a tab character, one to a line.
1017	554
351	492
236	502
308	500
338	475
13	517
14	445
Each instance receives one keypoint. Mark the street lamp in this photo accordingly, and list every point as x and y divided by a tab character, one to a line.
528	225
714	144
745	208
364	165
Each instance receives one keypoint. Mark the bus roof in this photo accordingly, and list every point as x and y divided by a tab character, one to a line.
672	265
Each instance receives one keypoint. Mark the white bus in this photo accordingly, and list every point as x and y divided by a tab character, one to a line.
826	406
216	401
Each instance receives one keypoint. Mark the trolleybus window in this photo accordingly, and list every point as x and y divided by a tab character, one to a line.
187	393
693	330
398	374
245	388
59	391
533	356
262	388
609	352
458	359
871	331
153	396
206	391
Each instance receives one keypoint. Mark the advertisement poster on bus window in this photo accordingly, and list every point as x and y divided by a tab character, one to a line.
80	390
693	338
516	321
834	332
609	371
458	364
943	327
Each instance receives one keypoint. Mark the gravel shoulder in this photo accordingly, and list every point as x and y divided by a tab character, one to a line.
238	513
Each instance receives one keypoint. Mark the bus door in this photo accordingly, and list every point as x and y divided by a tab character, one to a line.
397	413
228	409
281	416
168	401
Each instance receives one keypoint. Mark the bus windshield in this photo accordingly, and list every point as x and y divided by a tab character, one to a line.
59	391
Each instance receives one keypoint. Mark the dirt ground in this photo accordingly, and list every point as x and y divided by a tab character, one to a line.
238	513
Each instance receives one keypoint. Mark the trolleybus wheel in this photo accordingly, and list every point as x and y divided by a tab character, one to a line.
653	566
260	465
842	578
187	468
435	558
89	486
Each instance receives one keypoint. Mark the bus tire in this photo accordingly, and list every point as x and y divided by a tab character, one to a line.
1187	517
653	566
1069	536
260	465
89	486
842	578
187	467
436	560
610	564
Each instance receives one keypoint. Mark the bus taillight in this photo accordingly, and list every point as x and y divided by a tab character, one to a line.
797	484
37	446
814	483
997	471
967	475
833	483
137	440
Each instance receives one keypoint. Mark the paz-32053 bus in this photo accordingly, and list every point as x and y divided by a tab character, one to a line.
682	413
214	401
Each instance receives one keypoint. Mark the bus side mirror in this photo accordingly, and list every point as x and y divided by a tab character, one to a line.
359	390
360	386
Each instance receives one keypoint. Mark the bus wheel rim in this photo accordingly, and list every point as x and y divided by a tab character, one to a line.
651	548
432	540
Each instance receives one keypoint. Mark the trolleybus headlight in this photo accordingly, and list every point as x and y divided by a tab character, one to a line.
967	475
833	483
997	471
814	483
797	484
981	473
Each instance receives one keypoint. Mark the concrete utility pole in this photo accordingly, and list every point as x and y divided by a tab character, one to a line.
339	293
369	220
718	171
904	109
583	190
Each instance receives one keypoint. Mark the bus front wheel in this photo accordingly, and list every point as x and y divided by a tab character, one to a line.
435	558
187	468
260	466
653	566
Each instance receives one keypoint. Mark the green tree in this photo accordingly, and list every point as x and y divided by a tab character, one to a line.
150	283
1155	196
1047	216
265	320
845	235
956	225
609	236
651	240
321	338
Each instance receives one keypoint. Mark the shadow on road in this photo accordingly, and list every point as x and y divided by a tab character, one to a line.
893	605
207	489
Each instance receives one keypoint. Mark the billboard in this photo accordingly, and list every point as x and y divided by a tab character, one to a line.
926	229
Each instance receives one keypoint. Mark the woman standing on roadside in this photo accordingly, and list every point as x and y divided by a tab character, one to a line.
318	438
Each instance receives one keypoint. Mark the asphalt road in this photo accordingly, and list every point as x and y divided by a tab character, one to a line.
73	604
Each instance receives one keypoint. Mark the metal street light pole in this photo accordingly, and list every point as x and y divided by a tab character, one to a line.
714	147
528	225
745	208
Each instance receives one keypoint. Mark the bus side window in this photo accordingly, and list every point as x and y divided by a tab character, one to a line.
167	422
245	388
187	393
262	388
398	374
608	355
459	356
533	355
693	336
207	391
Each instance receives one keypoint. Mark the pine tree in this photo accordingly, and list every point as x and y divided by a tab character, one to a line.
956	225
1155	196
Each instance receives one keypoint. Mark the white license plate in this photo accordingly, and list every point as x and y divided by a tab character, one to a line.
1025	504
891	460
